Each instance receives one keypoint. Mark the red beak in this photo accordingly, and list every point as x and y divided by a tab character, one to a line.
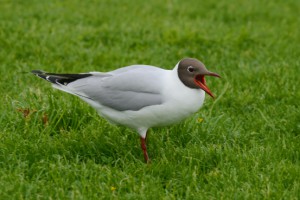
200	81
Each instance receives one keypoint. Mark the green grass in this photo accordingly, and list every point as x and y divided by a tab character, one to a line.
247	147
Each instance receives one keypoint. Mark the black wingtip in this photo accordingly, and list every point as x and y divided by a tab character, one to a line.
62	79
41	74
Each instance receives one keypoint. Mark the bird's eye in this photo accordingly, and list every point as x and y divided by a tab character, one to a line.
190	69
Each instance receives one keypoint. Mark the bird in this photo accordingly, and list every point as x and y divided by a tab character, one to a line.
139	96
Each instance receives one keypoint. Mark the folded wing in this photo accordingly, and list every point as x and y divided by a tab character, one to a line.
129	88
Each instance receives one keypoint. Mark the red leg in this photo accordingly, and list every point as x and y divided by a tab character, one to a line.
144	148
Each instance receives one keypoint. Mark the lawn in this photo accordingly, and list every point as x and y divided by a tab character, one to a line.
245	144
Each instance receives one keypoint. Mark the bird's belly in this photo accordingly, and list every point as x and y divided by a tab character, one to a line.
171	111
176	110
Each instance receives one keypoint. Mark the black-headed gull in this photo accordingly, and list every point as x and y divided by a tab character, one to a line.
139	96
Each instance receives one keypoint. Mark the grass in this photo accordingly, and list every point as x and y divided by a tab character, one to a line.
53	146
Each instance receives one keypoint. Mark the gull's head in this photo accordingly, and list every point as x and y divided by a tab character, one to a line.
192	74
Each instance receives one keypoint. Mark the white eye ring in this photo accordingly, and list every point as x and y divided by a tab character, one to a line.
190	69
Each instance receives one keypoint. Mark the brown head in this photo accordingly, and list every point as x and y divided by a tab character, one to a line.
192	74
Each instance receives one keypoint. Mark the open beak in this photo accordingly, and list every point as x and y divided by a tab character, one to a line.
200	81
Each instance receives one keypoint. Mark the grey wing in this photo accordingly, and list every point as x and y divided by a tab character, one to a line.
130	88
